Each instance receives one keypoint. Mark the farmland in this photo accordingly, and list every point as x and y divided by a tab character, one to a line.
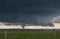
11	34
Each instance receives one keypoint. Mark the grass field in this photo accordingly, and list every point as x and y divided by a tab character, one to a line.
29	35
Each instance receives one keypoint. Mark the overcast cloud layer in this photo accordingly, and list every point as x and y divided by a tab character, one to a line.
36	12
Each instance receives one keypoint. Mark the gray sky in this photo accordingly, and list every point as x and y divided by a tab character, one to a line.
29	11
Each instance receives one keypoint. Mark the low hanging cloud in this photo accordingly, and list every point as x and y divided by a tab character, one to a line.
56	19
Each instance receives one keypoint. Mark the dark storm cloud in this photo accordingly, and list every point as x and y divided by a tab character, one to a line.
35	12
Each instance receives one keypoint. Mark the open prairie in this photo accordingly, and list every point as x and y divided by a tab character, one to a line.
29	35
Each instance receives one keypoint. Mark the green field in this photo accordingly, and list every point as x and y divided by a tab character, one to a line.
29	35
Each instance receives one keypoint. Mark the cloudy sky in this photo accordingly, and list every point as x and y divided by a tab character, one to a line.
29	11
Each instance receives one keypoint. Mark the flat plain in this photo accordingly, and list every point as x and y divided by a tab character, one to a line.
29	35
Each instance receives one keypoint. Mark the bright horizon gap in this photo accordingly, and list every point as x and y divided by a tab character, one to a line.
56	26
